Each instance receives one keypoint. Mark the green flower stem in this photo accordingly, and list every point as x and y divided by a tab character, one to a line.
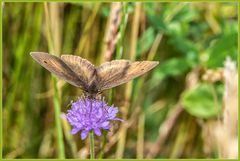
101	155
92	151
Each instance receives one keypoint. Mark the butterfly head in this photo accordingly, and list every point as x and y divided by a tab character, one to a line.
93	95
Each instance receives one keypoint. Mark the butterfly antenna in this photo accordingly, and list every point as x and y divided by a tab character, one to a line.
85	104
103	100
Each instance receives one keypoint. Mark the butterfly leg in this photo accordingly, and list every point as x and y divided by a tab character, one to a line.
90	113
104	108
85	105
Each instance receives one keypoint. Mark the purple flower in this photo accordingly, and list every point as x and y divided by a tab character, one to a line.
90	114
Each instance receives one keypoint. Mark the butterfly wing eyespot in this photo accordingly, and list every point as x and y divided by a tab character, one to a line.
56	66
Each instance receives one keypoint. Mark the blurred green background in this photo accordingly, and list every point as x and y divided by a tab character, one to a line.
165	110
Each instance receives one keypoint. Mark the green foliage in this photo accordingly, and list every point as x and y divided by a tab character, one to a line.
224	46
145	41
172	67
203	101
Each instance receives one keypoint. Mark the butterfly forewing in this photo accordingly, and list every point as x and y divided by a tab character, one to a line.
117	72
58	67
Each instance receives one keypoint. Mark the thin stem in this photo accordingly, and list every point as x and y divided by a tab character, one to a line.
49	36
89	23
101	155
123	129
140	136
134	31
122	30
92	151
57	112
56	97
215	98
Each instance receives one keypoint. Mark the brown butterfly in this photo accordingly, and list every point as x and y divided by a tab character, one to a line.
81	73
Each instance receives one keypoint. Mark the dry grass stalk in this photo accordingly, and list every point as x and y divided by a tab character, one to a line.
55	10
222	135
135	30
226	132
84	38
110	38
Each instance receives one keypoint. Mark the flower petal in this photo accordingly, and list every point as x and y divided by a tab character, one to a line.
74	130
118	119
97	131
99	113
106	123
107	127
84	134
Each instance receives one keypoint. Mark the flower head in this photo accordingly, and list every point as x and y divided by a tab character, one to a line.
90	114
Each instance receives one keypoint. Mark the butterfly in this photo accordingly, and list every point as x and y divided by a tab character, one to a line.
81	73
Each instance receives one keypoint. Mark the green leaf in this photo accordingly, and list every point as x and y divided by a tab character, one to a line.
225	46
157	22
199	101
105	11
170	68
145	41
174	29
173	67
184	45
186	14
